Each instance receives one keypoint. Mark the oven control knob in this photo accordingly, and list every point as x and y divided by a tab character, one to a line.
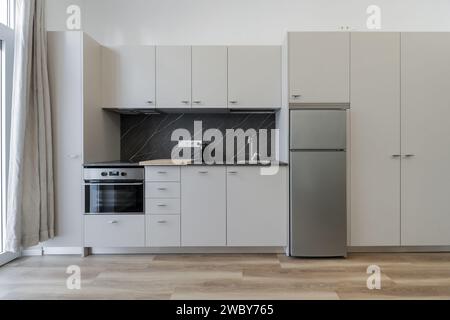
123	174
104	174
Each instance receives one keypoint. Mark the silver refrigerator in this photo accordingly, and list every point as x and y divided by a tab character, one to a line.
318	186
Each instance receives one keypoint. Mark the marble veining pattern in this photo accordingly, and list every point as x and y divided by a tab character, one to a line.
148	137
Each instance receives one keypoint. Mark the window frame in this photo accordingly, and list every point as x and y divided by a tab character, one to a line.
10	13
6	83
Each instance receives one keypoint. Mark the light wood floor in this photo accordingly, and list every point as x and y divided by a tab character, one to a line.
262	276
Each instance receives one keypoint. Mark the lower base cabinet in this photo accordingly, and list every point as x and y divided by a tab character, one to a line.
257	212
203	209
163	231
114	231
235	206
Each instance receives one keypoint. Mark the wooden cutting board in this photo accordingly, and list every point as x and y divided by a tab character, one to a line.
165	162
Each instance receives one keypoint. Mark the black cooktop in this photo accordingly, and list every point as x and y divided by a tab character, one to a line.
112	164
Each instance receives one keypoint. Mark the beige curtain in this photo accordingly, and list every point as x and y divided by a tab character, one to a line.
30	207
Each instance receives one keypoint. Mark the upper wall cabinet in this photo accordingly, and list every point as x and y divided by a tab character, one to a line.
173	76
319	67
209	77
128	77
254	77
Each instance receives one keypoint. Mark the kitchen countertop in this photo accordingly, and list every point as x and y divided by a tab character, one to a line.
168	162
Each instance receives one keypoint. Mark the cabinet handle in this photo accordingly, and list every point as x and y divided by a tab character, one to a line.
409	155
150	102
162	205
73	156
162	172
233	102
296	96
197	102
232	172
162	221
162	189
203	172
185	102
396	155
113	222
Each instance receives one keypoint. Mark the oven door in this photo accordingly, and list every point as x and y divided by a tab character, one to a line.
114	198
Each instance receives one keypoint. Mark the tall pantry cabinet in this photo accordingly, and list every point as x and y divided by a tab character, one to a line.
375	139
425	139
82	132
400	149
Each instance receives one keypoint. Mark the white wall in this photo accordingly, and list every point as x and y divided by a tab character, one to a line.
239	21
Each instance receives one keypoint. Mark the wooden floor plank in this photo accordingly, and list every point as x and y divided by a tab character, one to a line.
228	276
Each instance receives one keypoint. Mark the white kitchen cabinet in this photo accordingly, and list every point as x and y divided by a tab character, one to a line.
425	139
128	77
66	83
257	207
375	139
173	76
254	77
162	190
162	174
209	76
203	198
163	231
162	206
81	131
319	67
114	231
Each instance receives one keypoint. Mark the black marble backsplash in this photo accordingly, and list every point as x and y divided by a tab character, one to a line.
148	137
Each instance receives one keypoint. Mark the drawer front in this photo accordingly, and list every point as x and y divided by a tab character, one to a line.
114	231
162	174
162	206
163	231
165	190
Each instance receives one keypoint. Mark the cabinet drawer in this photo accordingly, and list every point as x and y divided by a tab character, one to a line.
162	174
162	206
163	231
168	190
114	231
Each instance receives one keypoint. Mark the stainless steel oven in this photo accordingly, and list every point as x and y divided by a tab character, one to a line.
114	191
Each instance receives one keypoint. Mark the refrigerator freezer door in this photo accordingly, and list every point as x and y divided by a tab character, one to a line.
318	204
318	129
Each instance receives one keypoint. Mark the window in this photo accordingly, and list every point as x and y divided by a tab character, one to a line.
6	78
7	13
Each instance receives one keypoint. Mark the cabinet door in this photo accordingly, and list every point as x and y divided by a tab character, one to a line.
257	207
112	231
375	139
254	76
209	77
425	136
173	76
203	198
65	77
128	76
163	231
319	67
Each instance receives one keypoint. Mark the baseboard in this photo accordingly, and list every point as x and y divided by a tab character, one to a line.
410	249
32	252
50	251
216	250
196	250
